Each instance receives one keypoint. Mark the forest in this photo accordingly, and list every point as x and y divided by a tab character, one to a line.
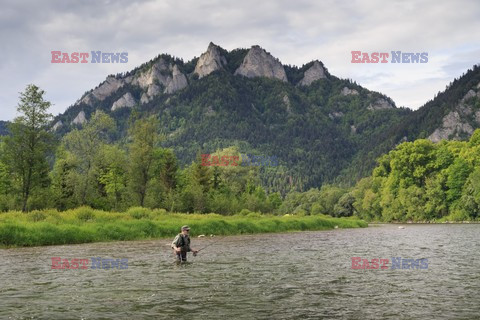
417	181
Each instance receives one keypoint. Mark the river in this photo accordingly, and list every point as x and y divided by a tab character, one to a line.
300	275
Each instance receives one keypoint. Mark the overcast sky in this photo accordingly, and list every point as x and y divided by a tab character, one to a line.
296	32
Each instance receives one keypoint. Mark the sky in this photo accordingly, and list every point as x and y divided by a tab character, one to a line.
296	32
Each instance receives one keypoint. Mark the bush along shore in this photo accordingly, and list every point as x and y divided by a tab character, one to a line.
84	225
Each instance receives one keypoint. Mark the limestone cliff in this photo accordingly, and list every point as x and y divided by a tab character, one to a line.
80	118
259	63
458	122
127	100
210	61
109	86
315	72
380	104
177	82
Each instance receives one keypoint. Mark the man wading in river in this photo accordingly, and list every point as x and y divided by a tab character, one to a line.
181	245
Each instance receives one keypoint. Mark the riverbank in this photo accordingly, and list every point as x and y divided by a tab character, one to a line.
425	222
86	225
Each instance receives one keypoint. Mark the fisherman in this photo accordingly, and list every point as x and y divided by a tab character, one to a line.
181	245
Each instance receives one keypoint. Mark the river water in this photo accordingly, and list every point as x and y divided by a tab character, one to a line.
303	275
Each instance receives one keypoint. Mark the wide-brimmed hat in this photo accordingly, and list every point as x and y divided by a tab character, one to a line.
185	227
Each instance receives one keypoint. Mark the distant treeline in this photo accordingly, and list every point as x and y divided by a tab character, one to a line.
423	181
417	181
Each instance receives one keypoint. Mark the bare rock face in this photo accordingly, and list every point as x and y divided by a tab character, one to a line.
347	91
477	117
334	115
160	72
144	98
259	63
153	90
470	94
108	87
456	123
88	99
80	118
210	61
286	102
57	125
315	72
178	81
127	100
452	125
380	104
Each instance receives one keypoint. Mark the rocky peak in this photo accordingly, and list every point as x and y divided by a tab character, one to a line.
57	125
80	118
452	126
159	71
210	61
127	100
347	91
470	94
177	82
259	63
456	123
380	104
315	72
109	86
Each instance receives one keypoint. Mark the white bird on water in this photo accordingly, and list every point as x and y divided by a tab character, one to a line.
401	227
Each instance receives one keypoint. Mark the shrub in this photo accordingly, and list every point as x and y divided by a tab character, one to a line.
245	212
84	214
139	213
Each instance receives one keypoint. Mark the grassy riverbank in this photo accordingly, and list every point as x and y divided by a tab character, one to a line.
83	225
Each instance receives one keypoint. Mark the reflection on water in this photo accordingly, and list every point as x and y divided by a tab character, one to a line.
304	275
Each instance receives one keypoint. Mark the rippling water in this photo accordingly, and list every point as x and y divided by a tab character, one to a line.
305	275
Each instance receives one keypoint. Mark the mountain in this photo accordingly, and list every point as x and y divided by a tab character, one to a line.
314	122
322	129
452	114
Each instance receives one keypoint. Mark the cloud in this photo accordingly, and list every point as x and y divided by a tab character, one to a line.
294	31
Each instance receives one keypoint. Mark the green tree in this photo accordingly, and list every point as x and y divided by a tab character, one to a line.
145	140
84	146
344	207
457	175
29	144
64	180
113	174
436	205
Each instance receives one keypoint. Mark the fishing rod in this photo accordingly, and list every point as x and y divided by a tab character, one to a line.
208	245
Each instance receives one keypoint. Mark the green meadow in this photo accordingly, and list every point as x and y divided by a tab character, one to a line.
84	225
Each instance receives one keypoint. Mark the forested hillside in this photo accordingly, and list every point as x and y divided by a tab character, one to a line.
313	122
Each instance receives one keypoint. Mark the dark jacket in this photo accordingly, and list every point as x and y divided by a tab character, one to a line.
182	241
